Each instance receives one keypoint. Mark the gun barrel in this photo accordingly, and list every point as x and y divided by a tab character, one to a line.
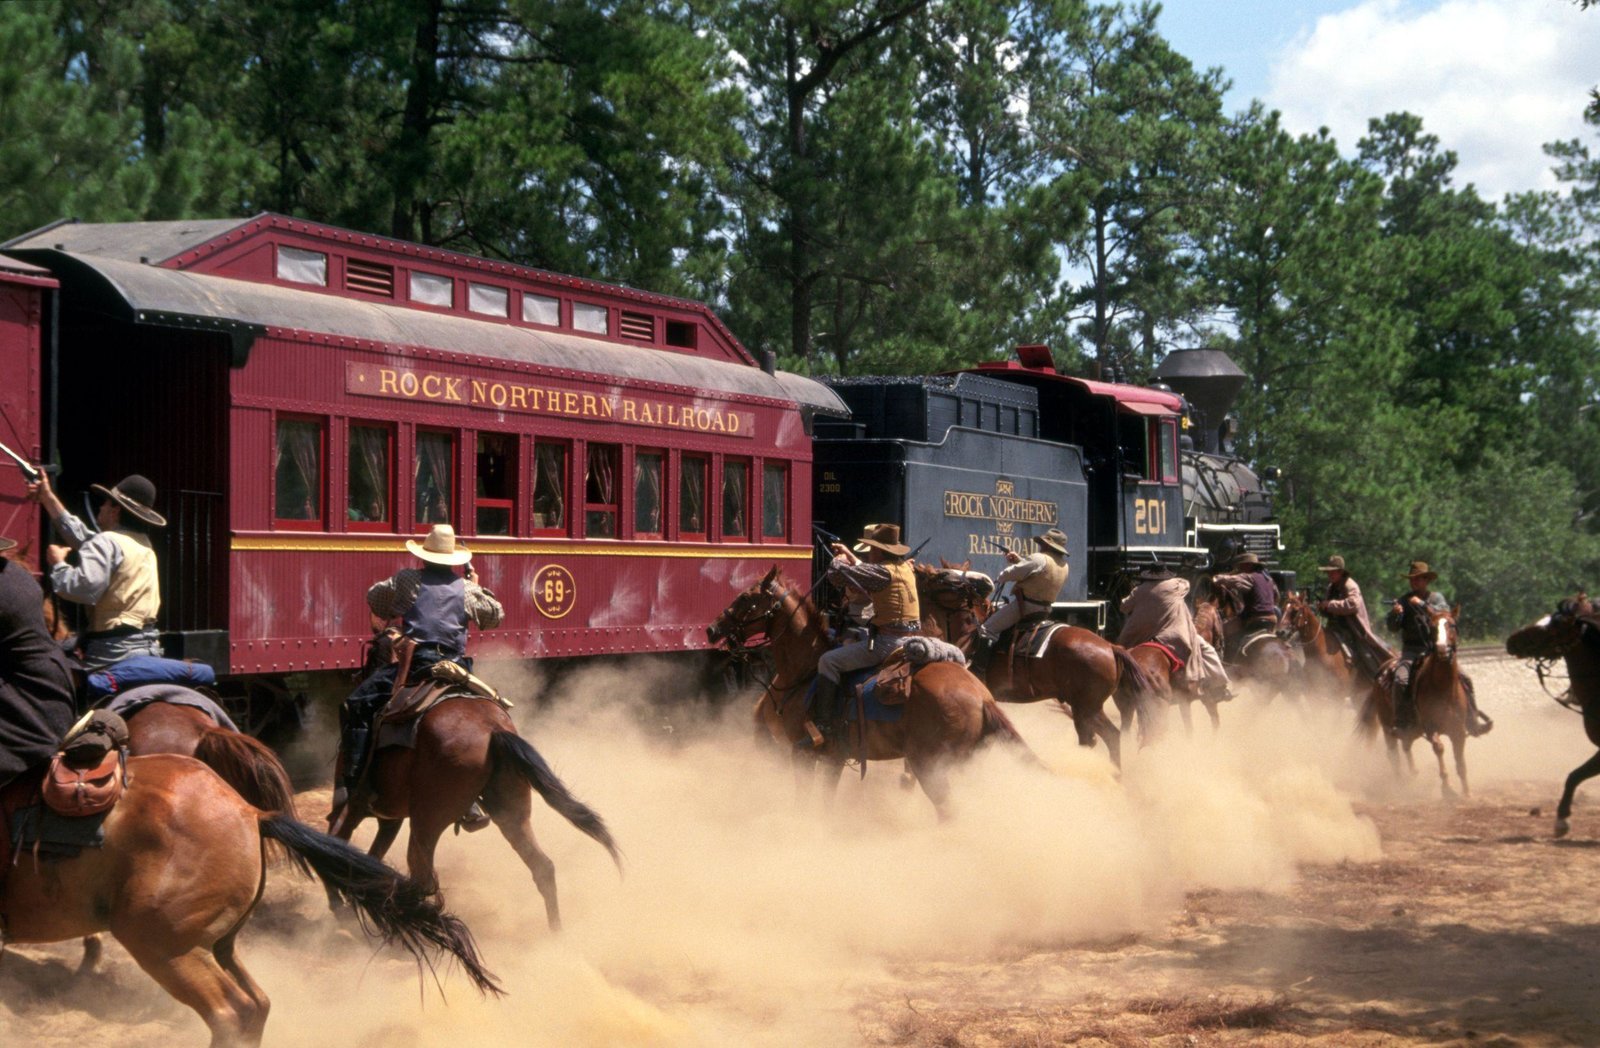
28	469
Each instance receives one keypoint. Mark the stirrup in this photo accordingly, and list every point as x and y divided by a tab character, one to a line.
474	820
813	741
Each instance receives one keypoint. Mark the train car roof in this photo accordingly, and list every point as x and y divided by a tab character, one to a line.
139	293
16	271
1136	400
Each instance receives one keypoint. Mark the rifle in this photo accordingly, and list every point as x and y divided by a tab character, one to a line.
28	470
1002	551
913	554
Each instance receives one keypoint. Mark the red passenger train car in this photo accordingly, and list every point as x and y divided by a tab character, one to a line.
305	398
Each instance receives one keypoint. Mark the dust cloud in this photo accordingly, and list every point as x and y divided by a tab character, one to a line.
748	917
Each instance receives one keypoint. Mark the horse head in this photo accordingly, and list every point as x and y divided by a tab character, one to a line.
751	611
1442	624
1552	636
953	587
1298	619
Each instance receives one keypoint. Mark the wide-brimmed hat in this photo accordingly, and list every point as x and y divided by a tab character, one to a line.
439	547
1157	573
1246	560
882	536
136	495
1419	568
1054	539
1335	563
6	543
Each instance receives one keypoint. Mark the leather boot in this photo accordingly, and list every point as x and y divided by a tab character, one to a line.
1405	711
1478	722
824	713
982	652
356	739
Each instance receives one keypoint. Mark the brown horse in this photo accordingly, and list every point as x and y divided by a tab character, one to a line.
1078	668
467	749
948	714
182	867
1441	706
1572	634
1326	666
1159	669
1270	662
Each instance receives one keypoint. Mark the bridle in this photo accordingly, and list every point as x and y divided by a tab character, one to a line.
1543	665
745	654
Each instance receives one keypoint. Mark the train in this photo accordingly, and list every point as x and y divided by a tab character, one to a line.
306	397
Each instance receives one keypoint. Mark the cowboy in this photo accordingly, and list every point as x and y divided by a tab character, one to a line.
36	698
1038	579
434	606
1411	619
1157	610
1257	596
887	575
1347	619
116	569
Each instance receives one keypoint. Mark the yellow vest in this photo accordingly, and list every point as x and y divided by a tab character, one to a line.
1044	585
896	602
133	597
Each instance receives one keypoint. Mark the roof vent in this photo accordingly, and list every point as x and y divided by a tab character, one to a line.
372	278
640	326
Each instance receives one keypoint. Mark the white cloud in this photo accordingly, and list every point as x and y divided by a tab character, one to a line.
1493	79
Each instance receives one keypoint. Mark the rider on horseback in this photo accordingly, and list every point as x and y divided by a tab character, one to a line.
1257	596
1038	578
1411	619
116	569
1348	622
889	577
36	700
1157	611
435	605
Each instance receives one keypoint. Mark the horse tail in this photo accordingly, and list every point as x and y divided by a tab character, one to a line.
509	750
1369	722
394	907
249	766
1132	681
997	724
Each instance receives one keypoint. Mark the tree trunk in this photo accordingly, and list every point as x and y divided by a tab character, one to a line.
416	124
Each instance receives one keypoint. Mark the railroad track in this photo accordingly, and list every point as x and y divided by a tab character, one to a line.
1481	653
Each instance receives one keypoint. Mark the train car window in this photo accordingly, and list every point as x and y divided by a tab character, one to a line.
370	472
549	487
600	492
596	319
297	465
648	504
435	472
1131	441
692	498
489	300
496	483
430	289
1169	451
774	501
541	309
735	497
302	267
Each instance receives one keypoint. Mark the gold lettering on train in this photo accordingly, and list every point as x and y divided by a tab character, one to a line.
1005	511
433	386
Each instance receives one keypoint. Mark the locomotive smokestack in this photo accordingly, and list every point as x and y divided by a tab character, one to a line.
1209	380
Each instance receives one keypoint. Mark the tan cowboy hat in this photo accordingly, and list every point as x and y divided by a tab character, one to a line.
1420	567
136	495
6	543
439	547
1246	560
1335	563
1054	539
882	536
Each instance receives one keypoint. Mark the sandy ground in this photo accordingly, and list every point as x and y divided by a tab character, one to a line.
1273	884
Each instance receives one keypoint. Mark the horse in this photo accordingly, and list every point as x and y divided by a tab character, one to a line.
1078	668
947	715
1325	659
1158	667
1268	662
467	749
182	866
1441	705
1571	633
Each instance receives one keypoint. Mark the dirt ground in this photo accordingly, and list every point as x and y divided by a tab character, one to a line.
1271	885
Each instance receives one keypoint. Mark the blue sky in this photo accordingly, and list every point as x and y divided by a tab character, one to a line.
1494	79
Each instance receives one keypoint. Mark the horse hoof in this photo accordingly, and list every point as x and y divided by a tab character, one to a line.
908	781
1563	827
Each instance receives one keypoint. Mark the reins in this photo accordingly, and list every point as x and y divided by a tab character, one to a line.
745	653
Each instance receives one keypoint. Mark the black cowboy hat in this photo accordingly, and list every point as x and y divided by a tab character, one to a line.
136	495
1419	568
1054	539
882	536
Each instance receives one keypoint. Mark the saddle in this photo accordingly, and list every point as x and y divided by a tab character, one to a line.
1028	639
1175	664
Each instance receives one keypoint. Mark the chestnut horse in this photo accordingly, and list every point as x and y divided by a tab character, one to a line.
467	750
1325	660
948	714
1572	634
1159	669
182	867
1271	663
1079	668
1441	705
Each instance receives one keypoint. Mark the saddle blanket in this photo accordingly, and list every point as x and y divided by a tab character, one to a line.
36	830
1172	656
851	686
402	731
1033	639
133	700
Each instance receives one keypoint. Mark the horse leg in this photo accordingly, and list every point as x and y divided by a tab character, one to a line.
935	779
195	978
1109	734
1580	775
425	834
1458	743
383	840
228	957
93	950
1211	711
516	826
1444	776
1188	718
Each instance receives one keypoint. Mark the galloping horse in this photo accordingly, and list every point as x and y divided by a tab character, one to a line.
182	867
1325	660
1268	661
1441	705
1078	668
1572	633
948	714
466	749
1159	668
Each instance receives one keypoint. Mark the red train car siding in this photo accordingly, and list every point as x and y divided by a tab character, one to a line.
22	304
297	595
